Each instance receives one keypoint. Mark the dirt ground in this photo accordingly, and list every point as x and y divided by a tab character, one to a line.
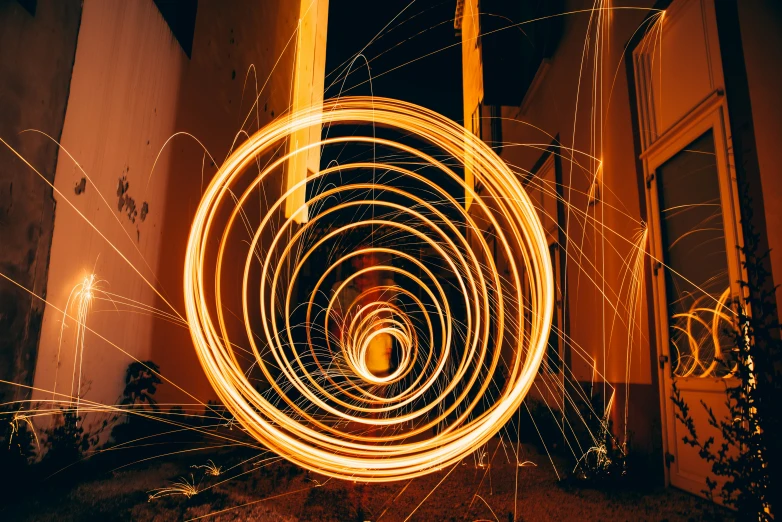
271	490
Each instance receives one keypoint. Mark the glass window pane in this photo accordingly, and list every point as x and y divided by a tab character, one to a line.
696	276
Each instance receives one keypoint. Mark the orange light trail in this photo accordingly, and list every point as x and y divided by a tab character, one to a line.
702	354
457	368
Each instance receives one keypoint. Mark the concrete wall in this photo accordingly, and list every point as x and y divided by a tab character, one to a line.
122	108
36	59
239	49
125	194
762	44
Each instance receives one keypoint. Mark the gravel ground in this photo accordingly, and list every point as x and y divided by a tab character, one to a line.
281	492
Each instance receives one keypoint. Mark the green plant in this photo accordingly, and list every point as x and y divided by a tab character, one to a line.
141	381
741	457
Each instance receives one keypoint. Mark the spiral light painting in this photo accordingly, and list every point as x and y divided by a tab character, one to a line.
406	263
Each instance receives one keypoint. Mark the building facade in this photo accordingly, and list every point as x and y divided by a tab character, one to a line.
643	134
145	99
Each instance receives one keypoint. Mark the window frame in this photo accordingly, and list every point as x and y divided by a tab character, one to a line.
550	161
710	114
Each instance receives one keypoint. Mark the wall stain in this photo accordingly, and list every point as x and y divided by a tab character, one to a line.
125	203
80	187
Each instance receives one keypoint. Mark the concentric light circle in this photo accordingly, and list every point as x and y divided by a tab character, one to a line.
286	317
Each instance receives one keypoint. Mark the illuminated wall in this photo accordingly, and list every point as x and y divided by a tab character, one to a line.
547	113
308	83
121	109
472	76
581	99
759	24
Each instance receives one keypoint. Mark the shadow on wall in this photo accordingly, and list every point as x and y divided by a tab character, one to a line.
37	50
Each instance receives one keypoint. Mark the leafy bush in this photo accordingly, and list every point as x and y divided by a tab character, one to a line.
66	442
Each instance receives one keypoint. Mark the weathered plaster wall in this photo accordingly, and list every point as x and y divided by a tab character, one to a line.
36	59
122	108
131	88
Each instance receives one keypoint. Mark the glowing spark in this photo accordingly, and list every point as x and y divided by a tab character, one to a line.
19	417
80	302
702	354
210	468
482	458
179	487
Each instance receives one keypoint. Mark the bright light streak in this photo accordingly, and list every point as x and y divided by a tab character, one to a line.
80	301
445	431
187	488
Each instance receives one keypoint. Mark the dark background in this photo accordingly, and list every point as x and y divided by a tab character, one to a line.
424	27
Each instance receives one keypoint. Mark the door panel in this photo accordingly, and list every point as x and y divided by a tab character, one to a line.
693	221
695	233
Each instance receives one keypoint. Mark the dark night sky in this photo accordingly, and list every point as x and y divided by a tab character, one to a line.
425	26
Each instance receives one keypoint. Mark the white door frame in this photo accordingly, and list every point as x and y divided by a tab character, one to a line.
710	114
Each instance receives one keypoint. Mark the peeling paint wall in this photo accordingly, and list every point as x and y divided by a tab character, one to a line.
122	108
132	87
36	59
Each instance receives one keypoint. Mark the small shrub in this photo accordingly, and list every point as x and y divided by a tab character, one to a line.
605	462
141	381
